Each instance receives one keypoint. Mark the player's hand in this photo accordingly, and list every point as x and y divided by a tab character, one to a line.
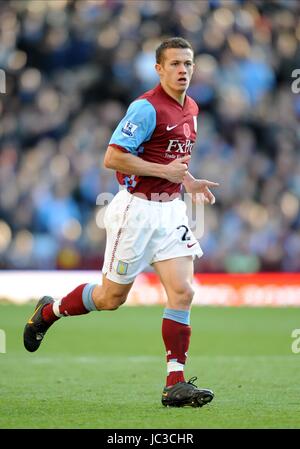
201	193
177	169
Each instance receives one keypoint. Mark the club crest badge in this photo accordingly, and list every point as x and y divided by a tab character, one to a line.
186	130
122	267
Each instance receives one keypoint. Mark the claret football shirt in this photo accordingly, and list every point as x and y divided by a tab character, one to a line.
157	129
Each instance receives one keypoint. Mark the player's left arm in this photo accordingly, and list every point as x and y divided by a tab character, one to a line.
200	189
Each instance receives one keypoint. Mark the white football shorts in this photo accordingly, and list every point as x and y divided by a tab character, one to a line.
141	232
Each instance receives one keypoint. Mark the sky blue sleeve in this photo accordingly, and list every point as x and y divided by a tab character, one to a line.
136	127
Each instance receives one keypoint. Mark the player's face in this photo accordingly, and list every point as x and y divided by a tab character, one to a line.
176	68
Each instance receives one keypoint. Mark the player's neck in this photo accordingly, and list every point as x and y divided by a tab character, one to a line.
177	96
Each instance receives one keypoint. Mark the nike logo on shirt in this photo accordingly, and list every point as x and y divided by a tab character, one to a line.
168	128
189	246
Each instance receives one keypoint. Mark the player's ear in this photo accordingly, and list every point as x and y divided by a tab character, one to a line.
158	68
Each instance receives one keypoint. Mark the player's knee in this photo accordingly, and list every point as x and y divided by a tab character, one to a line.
184	293
189	293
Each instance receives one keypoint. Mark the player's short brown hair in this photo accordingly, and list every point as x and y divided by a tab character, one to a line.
172	42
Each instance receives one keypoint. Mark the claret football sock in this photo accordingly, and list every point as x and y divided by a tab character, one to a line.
48	315
77	302
174	377
176	333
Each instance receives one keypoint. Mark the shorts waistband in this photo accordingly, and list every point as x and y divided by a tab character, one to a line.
151	203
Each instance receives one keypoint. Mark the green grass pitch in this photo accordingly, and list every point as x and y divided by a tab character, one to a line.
107	370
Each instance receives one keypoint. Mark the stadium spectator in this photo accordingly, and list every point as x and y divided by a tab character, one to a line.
71	69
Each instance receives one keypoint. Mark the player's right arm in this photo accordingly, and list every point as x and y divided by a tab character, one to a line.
116	159
135	128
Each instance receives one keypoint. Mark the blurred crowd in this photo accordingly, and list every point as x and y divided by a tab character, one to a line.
72	68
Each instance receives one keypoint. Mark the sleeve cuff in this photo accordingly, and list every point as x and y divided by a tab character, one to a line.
119	147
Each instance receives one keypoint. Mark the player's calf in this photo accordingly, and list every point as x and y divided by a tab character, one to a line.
107	300
110	295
